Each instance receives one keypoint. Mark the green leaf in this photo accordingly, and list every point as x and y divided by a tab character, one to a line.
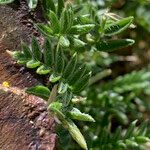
54	78
81	29
70	18
77	8
118	26
66	20
81	83
130	130
44	29
84	19
48	5
33	64
119	115
131	143
117	134
26	50
42	70
79	71
56	108
142	139
111	45
17	55
48	54
59	61
143	128
78	115
62	88
6	1
69	69
22	61
67	97
76	134
77	99
40	91
54	22
37	54
55	105
77	43
32	4
61	5
64	42
121	144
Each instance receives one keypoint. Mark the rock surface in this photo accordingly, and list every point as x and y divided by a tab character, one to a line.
24	120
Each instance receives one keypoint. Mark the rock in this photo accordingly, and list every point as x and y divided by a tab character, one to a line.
24	120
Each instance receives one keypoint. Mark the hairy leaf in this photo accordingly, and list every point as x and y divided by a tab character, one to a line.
17	55
111	45
26	50
81	29
62	88
76	134
44	29
66	20
84	19
54	22
77	43
33	64
42	70
54	78
56	108
40	91
66	97
48	5
118	26
79	71
70	67
48	54
78	115
37	54
61	5
81	83
64	42
59	64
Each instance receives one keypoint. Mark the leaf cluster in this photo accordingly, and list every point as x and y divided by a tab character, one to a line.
72	32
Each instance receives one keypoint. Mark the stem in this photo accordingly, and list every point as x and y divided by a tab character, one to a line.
54	90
